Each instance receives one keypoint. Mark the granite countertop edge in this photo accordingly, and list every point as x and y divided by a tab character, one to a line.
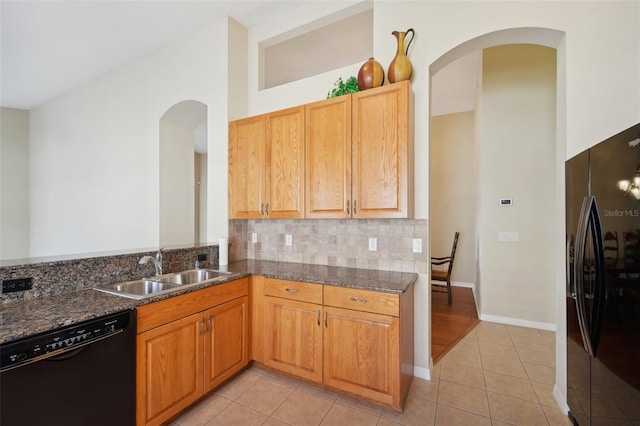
30	317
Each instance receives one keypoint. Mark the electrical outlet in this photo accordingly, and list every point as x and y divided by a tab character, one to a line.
417	245
288	240
508	236
10	285
254	237
373	244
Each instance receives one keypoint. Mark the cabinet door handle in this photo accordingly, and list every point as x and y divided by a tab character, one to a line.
266	210
355	208
318	317
209	326
325	319
262	209
201	321
347	206
356	300
291	290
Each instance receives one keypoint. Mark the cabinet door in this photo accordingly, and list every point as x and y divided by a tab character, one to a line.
226	341
361	354
285	164
380	153
328	158
169	369
294	337
247	168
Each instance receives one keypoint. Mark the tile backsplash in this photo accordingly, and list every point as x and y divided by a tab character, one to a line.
333	242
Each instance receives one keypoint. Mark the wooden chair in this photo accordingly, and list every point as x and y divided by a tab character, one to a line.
611	248
444	275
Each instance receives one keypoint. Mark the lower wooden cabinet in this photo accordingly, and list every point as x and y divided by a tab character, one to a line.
186	346
353	340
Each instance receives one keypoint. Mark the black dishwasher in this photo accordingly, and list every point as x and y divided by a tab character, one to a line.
82	374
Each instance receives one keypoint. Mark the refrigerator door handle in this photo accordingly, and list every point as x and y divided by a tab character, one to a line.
578	276
599	290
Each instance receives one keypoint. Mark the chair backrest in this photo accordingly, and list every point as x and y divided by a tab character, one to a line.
611	247
631	247
453	250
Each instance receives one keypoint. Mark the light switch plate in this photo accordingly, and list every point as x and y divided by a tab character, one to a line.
254	237
417	245
508	236
373	244
288	240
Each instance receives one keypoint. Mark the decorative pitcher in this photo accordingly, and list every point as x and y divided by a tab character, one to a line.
400	68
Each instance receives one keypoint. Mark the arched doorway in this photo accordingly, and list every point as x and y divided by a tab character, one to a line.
183	174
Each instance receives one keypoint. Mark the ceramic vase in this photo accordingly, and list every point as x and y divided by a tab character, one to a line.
371	75
401	68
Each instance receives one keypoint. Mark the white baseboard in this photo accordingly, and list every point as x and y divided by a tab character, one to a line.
562	404
462	284
519	322
422	373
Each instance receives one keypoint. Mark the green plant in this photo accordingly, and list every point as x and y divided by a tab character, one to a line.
343	87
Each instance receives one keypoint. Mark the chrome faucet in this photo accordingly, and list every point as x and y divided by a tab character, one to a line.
157	261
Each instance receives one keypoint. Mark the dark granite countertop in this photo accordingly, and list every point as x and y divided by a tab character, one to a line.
29	317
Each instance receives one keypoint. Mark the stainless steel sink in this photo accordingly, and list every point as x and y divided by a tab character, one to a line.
148	287
193	276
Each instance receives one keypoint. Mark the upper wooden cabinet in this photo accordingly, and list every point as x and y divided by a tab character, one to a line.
345	157
382	152
266	166
359	155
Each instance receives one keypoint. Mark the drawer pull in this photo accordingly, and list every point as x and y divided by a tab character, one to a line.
291	290
356	300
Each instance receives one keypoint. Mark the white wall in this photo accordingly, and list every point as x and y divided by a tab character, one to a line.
95	151
14	183
517	157
177	179
454	191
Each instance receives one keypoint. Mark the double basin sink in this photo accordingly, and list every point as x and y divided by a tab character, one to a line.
154	286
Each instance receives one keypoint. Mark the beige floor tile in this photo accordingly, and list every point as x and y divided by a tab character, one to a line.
424	389
416	412
515	411
506	352
239	385
555	417
203	411
546	358
470	359
494	339
510	386
386	422
343	415
540	373
463	397
533	342
503	366
236	414
318	391
274	422
360	405
284	380
435	371
265	396
449	416
462	374
302	408
544	391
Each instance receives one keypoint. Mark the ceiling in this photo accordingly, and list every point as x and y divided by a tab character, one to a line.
50	47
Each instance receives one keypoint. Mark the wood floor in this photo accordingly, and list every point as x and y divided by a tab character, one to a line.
450	323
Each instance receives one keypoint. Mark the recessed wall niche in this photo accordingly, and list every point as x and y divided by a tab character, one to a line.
334	42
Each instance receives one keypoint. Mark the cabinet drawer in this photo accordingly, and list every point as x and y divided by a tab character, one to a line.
362	300
294	290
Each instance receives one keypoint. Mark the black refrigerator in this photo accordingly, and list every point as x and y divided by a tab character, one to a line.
603	282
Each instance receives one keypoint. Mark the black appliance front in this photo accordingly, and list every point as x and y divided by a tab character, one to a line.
93	384
603	288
